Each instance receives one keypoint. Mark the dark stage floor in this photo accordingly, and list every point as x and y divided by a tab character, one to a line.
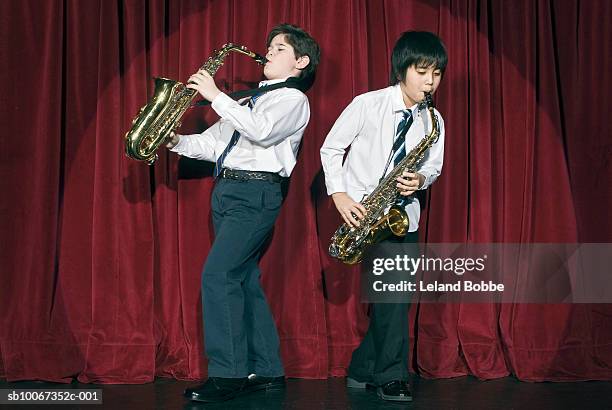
459	393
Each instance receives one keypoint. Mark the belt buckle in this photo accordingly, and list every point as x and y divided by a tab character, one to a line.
227	174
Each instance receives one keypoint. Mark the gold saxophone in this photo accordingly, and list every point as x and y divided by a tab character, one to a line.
163	112
349	243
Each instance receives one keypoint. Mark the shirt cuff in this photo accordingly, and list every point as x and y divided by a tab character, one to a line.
335	185
182	145
179	144
426	181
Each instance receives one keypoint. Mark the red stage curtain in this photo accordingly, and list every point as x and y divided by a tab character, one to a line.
101	255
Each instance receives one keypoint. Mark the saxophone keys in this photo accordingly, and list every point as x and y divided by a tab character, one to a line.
150	161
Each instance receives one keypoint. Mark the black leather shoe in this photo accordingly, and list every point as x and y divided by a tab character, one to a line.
189	390
218	389
255	383
396	390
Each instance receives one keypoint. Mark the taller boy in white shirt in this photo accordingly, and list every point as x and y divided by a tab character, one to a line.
254	148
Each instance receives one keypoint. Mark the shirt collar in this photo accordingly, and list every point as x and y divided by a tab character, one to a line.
398	101
270	82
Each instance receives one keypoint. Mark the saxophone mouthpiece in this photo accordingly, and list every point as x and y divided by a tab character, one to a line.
260	59
427	101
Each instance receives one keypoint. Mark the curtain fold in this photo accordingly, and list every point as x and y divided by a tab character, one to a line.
101	256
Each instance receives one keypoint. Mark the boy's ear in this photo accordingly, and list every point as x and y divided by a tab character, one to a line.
302	62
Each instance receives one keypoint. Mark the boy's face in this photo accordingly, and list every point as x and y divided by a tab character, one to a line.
419	80
282	62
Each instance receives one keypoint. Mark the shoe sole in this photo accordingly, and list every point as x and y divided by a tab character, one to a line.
392	398
253	389
219	400
354	384
265	386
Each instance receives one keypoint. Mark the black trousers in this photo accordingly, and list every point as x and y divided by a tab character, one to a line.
382	356
239	330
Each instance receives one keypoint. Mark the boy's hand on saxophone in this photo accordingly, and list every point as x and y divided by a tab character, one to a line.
410	182
350	210
204	83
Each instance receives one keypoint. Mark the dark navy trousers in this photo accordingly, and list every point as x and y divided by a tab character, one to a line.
239	331
382	355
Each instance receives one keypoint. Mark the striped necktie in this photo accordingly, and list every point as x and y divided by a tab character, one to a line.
399	145
233	141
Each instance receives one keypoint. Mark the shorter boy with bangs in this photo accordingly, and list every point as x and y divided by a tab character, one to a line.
381	127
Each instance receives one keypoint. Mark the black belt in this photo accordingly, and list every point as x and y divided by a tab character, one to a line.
241	175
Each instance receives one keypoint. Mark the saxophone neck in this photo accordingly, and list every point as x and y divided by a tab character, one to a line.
215	61
432	138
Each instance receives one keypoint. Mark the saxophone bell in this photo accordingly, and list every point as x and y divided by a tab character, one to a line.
352	242
162	114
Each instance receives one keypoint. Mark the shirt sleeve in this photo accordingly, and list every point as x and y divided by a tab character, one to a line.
432	165
199	146
288	113
346	128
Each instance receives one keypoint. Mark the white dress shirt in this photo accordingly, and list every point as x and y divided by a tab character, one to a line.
368	126
270	133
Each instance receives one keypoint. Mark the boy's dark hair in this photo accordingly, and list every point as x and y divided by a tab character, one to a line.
419	49
303	45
